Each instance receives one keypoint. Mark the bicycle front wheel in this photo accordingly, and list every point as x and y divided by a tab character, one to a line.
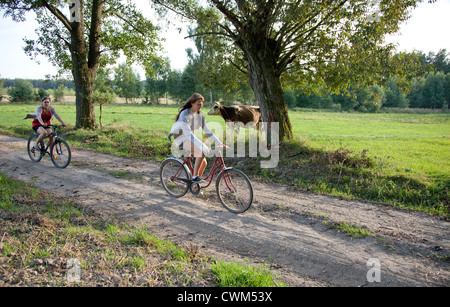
174	178
60	153
234	190
33	153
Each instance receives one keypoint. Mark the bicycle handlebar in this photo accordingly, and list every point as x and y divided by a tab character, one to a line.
219	146
56	126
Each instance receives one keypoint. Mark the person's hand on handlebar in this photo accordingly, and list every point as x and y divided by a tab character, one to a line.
221	146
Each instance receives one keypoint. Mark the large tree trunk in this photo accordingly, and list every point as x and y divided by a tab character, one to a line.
265	81
85	67
84	86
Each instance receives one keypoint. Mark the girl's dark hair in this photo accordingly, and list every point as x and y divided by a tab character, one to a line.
42	100
189	102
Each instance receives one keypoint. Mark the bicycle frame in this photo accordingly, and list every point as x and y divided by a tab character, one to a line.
54	134
218	163
178	180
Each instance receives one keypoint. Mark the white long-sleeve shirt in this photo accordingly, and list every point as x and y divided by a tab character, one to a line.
185	126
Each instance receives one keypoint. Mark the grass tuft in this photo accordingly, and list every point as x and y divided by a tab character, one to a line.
236	275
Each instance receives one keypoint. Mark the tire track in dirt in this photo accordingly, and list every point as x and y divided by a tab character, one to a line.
285	228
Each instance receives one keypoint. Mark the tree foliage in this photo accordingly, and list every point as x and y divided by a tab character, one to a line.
431	92
22	92
127	82
94	34
58	93
157	85
324	43
439	61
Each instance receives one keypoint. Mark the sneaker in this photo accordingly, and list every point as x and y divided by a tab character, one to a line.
197	179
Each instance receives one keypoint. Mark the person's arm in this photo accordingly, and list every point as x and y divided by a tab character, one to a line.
57	116
208	131
181	129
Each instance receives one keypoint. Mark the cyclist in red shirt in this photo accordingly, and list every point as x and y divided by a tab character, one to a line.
44	113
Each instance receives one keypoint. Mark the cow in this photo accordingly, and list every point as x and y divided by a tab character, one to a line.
237	114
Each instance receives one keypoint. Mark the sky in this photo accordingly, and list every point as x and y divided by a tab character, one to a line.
427	31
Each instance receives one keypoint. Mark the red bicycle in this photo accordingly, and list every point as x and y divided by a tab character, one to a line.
233	187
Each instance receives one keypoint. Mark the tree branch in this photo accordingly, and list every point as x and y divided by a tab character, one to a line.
231	17
69	45
172	9
129	23
58	14
239	67
209	33
290	55
94	33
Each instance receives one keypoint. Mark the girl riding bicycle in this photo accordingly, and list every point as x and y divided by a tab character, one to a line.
44	113
188	120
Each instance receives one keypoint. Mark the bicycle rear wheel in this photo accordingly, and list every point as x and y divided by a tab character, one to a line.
33	153
174	177
60	153
234	190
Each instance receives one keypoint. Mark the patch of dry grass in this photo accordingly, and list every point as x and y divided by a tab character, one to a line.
40	233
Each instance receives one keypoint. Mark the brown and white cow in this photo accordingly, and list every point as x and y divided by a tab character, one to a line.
237	114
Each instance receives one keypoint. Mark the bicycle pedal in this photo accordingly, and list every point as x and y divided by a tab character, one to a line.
195	189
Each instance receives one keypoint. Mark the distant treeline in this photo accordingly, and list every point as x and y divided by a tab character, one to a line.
430	91
39	83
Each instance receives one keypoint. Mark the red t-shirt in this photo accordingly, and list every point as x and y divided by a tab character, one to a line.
46	117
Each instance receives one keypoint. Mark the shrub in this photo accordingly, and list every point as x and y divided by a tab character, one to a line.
22	92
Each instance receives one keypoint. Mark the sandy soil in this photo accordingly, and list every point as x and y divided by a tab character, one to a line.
289	229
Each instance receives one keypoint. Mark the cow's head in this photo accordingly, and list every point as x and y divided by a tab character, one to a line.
215	110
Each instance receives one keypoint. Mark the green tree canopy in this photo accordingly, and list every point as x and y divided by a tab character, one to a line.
94	34
439	61
22	92
127	81
323	43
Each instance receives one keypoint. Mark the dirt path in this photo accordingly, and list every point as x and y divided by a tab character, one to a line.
286	228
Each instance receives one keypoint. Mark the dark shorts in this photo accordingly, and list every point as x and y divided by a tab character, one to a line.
35	128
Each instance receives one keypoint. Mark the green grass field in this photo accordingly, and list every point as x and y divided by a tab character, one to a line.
401	159
414	142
